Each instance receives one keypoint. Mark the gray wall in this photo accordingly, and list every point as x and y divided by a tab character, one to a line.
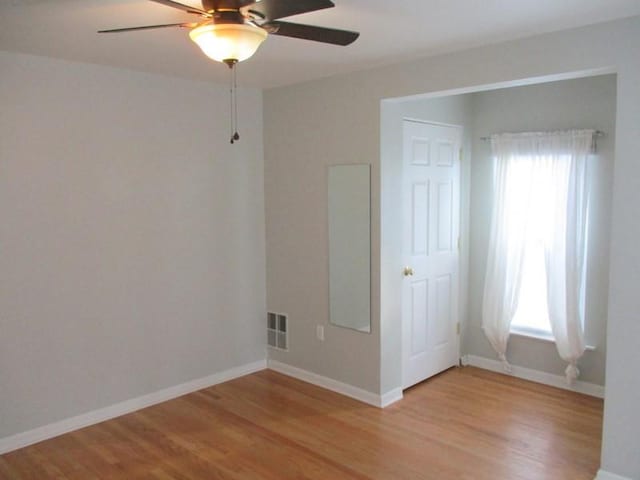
580	103
131	237
310	125
306	131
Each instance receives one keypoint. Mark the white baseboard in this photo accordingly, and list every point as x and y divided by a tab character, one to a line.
45	432
364	396
603	475
390	397
535	376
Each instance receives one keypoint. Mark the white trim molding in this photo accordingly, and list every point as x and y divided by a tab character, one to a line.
537	376
604	475
20	440
390	397
364	396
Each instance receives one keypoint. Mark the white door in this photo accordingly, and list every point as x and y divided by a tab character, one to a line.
431	204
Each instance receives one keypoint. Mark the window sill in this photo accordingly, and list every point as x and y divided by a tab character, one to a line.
540	335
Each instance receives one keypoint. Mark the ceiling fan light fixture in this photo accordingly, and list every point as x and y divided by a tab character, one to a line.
226	42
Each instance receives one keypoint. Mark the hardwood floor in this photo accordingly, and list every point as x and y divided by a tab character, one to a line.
463	424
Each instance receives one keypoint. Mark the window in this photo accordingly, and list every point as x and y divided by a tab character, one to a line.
532	199
531	194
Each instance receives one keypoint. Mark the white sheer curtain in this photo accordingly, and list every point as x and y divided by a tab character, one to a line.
540	196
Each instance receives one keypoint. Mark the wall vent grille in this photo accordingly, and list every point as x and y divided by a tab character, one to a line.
277	331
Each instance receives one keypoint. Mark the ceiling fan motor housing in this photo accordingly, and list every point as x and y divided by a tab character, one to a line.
212	5
228	16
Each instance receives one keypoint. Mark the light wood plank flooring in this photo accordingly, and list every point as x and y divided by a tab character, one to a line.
463	424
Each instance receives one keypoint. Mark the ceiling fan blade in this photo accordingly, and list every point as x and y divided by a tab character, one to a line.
274	9
149	27
181	6
311	32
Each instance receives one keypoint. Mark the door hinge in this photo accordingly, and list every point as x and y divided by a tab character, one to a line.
460	154
458	244
458	328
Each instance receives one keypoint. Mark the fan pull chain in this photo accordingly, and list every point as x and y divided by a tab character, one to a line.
233	101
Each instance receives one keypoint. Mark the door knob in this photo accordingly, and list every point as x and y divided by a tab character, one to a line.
408	271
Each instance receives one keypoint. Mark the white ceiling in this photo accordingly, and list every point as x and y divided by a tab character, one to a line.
391	31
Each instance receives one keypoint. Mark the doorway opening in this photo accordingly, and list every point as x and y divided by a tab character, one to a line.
583	100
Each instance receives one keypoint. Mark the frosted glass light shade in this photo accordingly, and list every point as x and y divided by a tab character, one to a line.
228	41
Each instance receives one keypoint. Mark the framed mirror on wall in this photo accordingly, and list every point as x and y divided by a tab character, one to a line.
349	202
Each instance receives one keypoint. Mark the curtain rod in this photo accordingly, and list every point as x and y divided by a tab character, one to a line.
598	133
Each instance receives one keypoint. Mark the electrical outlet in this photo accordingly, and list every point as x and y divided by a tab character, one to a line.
320	332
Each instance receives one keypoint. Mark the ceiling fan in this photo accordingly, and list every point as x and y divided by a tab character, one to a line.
230	31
